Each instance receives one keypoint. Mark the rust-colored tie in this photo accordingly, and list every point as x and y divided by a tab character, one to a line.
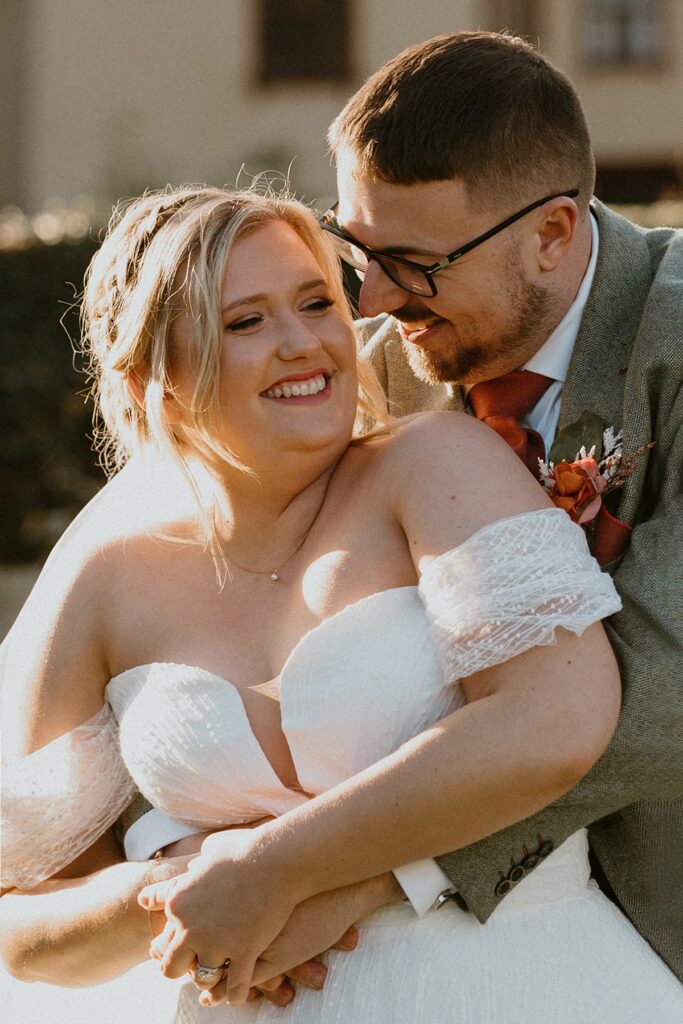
503	401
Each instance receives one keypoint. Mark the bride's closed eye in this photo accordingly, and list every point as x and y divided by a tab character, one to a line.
244	323
318	305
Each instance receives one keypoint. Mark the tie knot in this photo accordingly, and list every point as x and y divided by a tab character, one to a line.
514	394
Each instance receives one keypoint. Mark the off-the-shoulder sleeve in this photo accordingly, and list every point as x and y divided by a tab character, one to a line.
509	586
57	801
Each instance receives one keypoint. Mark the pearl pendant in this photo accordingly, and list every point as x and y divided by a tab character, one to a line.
274	577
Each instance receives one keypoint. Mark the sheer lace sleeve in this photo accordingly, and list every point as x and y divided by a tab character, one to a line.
57	801
509	587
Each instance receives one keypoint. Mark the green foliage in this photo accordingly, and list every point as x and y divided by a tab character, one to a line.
47	468
584	433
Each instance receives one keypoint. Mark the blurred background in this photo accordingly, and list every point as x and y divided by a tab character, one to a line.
100	101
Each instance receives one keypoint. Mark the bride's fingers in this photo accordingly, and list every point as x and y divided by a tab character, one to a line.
218	994
208	984
178	959
239	978
272	983
161	943
153	897
278	991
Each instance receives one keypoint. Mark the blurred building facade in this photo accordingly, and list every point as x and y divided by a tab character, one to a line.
108	99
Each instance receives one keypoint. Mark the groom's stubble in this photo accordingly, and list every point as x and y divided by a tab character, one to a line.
468	359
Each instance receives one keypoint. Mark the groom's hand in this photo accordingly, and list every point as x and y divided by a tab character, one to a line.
280	991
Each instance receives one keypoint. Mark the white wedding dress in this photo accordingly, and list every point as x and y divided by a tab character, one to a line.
354	688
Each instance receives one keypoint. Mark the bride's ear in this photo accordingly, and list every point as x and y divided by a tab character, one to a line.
136	387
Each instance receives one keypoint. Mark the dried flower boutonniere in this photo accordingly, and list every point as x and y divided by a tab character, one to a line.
580	483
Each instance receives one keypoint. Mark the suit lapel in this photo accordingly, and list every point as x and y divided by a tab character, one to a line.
597	371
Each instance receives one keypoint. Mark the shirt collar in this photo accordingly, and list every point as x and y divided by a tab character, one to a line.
552	358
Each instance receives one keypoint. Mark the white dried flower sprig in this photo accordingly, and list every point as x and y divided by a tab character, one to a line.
609	464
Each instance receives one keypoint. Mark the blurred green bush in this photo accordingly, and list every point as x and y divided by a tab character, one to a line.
47	468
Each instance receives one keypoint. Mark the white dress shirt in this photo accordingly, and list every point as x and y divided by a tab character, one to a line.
423	881
552	358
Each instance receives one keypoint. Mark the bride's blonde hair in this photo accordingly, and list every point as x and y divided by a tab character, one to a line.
163	254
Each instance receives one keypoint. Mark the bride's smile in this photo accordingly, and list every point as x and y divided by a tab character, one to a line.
287	361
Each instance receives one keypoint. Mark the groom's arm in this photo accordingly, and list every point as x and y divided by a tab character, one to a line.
143	830
643	760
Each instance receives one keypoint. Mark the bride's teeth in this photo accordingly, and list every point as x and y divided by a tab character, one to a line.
294	390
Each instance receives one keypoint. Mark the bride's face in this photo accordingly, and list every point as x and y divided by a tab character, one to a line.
288	379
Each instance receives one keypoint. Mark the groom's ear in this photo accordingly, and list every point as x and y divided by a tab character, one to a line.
556	232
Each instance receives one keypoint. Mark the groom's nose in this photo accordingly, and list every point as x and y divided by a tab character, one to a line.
378	293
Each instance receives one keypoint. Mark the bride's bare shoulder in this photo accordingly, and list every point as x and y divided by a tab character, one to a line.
447	475
59	639
442	442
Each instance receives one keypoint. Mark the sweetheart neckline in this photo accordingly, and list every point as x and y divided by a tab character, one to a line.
314	630
429	570
230	687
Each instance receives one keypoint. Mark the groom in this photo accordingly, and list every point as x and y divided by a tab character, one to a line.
455	137
447	141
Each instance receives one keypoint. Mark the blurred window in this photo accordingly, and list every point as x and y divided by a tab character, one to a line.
522	17
624	32
304	39
645	183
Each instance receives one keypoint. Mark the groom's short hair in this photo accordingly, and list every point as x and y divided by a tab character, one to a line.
483	107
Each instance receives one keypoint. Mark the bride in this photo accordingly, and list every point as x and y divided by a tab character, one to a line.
373	646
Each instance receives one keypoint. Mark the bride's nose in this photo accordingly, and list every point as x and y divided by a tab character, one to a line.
298	341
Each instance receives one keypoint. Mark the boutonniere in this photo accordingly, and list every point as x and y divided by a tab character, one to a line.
585	464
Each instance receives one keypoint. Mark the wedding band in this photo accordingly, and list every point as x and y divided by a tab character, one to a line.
202	973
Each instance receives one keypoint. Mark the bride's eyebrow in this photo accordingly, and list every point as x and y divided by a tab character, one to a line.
259	297
316	282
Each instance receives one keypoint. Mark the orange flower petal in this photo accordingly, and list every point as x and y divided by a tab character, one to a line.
568	481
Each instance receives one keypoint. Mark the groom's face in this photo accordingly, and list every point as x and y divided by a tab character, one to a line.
490	313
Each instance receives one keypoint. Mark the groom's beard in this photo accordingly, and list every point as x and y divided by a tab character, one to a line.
468	358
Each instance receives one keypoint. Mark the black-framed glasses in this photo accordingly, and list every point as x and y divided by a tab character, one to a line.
410	276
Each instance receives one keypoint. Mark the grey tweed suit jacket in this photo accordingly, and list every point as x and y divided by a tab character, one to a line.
627	366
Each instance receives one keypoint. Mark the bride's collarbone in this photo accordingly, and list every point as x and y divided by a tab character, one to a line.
172	608
247	632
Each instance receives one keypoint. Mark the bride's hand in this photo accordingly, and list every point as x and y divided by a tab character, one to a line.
229	904
320	923
163	871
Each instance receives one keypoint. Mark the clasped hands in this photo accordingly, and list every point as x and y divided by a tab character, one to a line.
231	904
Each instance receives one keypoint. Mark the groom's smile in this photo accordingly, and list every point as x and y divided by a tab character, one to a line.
490	312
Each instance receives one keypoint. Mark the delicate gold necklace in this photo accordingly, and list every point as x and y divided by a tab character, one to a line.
274	574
